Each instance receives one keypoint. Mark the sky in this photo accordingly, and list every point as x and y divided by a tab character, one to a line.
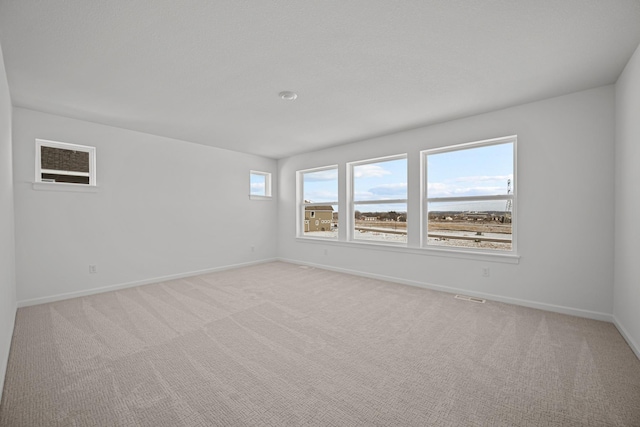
380	181
481	171
321	186
257	184
472	172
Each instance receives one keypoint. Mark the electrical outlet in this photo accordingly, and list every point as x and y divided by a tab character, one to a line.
326	251
93	269
253	248
486	272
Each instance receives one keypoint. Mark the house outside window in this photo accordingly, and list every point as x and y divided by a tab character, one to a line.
318	203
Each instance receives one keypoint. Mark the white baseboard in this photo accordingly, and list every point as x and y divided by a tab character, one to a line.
69	295
531	304
4	358
525	303
516	301
634	345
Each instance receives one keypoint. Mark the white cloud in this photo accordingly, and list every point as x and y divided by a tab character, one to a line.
398	189
257	185
439	189
466	186
363	195
319	196
370	171
479	191
484	178
327	175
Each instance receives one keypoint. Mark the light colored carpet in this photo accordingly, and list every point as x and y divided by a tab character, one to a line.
281	345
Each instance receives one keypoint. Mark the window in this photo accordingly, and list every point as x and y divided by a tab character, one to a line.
378	200
259	184
470	196
59	162
318	202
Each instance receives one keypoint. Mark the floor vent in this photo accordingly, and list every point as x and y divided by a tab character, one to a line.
472	299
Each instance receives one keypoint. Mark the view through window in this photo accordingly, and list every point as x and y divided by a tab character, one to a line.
260	184
468	199
470	194
380	200
319	203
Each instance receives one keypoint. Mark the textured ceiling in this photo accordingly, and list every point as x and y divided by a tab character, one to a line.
210	71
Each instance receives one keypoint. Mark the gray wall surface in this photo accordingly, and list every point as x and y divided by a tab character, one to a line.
627	269
7	244
564	217
163	208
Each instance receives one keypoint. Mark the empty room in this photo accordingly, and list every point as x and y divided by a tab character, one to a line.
319	213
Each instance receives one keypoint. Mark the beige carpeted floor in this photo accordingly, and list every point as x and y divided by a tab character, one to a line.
281	345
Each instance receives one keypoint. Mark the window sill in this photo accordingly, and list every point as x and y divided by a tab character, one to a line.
450	253
256	197
58	186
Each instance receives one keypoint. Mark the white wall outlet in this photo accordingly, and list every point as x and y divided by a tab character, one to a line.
486	272
93	269
253	248
326	251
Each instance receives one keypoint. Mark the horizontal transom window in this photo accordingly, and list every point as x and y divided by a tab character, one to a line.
60	162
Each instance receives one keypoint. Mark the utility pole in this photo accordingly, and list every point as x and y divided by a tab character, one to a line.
509	201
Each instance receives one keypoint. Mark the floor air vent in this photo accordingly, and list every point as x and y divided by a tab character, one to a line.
472	299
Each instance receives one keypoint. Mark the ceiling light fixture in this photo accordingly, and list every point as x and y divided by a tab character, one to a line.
288	95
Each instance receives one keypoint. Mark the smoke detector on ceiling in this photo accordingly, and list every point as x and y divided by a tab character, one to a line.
288	95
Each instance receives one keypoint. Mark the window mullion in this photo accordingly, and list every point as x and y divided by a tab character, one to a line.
469	198
379	202
62	172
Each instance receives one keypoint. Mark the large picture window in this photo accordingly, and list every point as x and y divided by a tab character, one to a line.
467	201
318	203
469	197
379	200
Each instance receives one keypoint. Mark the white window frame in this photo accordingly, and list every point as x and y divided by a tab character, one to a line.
425	199
65	146
267	185
302	204
351	202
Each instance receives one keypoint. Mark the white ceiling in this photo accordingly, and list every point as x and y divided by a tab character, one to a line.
209	71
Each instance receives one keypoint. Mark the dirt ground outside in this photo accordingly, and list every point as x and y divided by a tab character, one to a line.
395	225
488	229
446	231
471	226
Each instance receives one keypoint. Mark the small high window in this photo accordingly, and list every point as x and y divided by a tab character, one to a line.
59	162
260	184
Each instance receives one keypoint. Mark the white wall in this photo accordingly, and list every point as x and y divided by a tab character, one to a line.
164	207
7	244
626	308
565	206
